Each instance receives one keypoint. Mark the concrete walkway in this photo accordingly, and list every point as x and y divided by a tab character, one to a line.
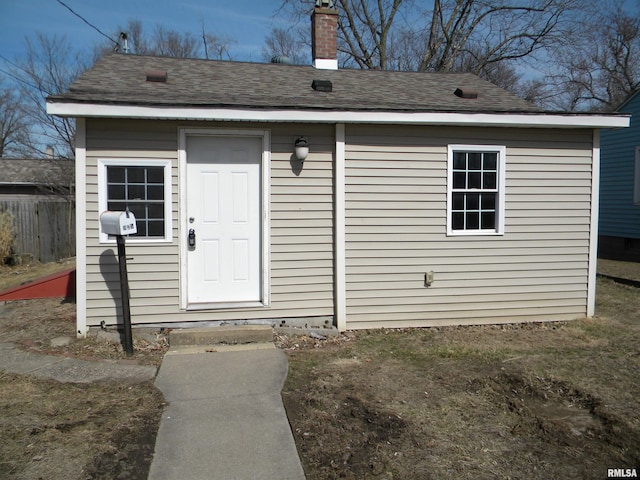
225	419
72	370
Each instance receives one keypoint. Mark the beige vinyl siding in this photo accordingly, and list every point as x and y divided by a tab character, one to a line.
301	269
396	229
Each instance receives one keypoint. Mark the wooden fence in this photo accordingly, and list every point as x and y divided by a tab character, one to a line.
44	226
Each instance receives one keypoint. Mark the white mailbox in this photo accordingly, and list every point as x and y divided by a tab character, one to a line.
118	223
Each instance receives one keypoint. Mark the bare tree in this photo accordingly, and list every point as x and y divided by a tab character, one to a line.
534	90
376	34
603	68
366	31
48	68
488	37
14	126
486	32
281	42
136	40
217	47
172	43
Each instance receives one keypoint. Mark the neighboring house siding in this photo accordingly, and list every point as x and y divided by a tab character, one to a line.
619	217
301	228
396	229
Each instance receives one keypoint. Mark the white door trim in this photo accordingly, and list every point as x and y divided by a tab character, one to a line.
265	169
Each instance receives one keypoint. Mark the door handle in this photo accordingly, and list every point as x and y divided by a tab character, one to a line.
192	238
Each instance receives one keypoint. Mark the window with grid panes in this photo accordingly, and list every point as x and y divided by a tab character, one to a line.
475	190
139	189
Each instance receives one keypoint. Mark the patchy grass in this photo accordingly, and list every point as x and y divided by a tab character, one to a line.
529	401
616	268
60	431
65	431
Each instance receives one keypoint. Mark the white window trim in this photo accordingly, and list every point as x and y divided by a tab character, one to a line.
500	203
636	178
103	163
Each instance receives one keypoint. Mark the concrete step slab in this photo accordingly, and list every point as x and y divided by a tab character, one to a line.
219	348
221	335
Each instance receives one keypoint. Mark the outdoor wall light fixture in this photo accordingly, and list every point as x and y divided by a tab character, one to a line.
301	148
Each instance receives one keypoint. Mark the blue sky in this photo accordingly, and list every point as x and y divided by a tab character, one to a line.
246	21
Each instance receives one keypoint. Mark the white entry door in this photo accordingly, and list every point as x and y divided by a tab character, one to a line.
223	219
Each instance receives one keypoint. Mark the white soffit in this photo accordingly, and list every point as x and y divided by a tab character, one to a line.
535	120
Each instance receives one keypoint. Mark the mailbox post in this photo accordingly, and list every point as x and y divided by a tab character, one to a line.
120	224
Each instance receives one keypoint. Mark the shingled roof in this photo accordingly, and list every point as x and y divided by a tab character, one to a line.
34	171
119	79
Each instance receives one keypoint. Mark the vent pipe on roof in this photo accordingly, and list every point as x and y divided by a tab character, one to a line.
466	93
125	47
324	35
281	59
322	85
158	76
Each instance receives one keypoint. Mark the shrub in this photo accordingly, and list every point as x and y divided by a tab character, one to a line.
6	234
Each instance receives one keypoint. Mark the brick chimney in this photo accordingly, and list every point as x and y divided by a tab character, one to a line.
324	31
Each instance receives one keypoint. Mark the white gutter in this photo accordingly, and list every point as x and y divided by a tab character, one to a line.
532	120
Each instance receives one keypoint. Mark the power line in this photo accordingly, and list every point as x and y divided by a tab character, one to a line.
13	75
87	22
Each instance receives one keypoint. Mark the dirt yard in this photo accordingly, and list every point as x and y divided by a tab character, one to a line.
57	431
534	401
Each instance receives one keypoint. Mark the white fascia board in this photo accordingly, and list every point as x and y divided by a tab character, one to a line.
532	120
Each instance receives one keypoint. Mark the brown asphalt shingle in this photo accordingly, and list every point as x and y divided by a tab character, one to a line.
34	171
121	80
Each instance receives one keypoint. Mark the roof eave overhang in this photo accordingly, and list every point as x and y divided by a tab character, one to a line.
494	119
